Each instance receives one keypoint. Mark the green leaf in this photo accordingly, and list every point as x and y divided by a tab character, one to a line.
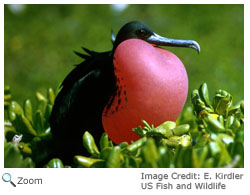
214	148
169	125
183	157
104	141
150	153
139	131
47	116
51	96
164	157
185	141
89	144
137	144
105	153
23	125
147	126
181	129
86	161
212	124
25	148
39	122
222	102
203	92
28	110
42	105
198	104
14	109
229	121
199	156
166	128
40	97
173	141
123	145
55	163
242	107
114	158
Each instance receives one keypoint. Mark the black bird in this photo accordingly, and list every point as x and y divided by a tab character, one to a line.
90	87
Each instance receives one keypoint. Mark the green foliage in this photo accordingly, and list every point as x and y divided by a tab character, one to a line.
7	96
13	157
31	126
211	134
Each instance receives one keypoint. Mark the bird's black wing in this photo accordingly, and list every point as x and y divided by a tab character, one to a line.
84	68
78	106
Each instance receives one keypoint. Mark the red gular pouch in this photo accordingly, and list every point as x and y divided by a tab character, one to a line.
152	85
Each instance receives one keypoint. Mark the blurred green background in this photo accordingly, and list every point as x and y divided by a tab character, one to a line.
39	40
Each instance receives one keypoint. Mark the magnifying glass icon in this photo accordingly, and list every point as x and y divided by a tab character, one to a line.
7	178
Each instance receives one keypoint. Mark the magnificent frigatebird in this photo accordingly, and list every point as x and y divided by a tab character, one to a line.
100	87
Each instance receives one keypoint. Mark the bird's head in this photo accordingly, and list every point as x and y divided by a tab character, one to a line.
138	30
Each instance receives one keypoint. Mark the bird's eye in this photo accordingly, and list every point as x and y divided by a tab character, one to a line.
141	33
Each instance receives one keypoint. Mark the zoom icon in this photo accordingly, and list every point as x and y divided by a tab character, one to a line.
7	178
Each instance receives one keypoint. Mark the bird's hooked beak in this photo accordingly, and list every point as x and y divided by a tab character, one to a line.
163	41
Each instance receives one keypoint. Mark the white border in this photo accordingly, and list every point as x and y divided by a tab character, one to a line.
118	181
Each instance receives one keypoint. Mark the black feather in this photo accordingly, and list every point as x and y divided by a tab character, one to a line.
84	56
92	53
